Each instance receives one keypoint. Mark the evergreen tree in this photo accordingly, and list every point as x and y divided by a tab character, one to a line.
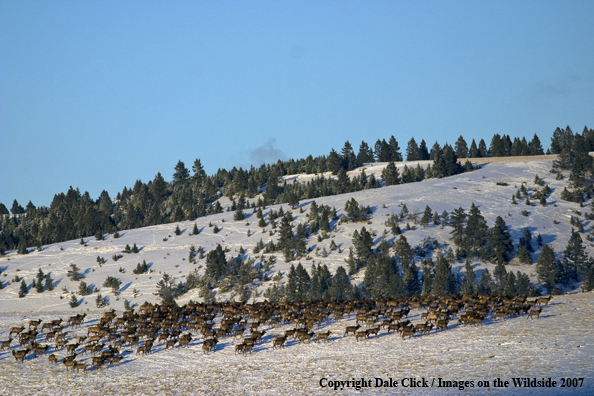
49	282
363	243
423	151
461	148
24	289
3	210
195	230
500	242
575	253
468	287
73	273
395	155
84	289
365	154
482	149
535	147
349	160
473	151
181	173
334	162
73	302
510	285
390	174
497	149
166	289
297	286
340	287
547	268
486	283
501	275
412	151
216	263
458	218
444	282
477	231
16	208
523	286
450	160
410	279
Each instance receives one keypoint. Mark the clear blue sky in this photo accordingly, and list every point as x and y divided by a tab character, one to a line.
99	94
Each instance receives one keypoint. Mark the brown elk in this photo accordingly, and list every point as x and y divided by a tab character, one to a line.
305	337
70	363
98	361
279	342
5	344
170	343
80	366
373	330
16	330
407	331
545	300
21	354
209	345
53	358
534	312
71	348
361	335
351	329
184	341
323	336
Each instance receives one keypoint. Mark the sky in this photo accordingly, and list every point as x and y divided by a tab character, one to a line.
97	95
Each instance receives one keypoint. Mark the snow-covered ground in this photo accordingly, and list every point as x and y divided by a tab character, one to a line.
166	252
560	344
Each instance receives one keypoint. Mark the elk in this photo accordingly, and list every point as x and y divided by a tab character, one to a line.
279	342
21	354
53	358
305	337
351	329
170	343
16	330
373	330
534	312
80	366
323	336
361	334
70	363
185	340
407	331
98	361
5	344
71	348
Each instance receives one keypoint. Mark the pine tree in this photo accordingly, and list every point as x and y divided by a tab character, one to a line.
461	148
477	231
473	152
482	149
412	151
510	285
340	287
395	155
177	232
390	174
195	230
501	275
576	254
410	279
423	151
24	289
500	242
73	302
49	283
458	218
365	154
73	273
468	287
547	268
166	289
181	173
486	283
216	263
444	282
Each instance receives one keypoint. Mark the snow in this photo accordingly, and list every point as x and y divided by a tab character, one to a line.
557	345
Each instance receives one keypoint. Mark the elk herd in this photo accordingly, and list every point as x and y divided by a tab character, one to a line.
111	339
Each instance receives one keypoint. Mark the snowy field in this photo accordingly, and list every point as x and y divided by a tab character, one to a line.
559	344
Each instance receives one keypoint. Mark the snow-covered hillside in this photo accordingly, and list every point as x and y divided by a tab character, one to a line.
166	252
559	344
